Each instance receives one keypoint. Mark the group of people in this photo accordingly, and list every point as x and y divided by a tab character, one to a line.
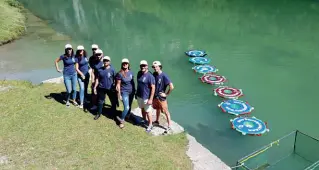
151	90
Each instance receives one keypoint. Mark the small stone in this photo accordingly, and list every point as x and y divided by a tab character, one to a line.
4	160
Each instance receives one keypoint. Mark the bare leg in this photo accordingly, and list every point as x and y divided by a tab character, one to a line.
149	117
158	113
168	117
143	114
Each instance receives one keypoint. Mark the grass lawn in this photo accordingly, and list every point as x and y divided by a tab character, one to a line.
41	133
12	20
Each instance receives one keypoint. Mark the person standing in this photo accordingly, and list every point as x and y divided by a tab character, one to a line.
82	68
69	73
95	63
125	87
160	96
105	84
145	92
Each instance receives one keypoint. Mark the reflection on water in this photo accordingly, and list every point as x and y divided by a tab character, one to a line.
267	48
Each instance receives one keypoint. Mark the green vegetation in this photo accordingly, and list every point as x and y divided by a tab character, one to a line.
40	133
12	20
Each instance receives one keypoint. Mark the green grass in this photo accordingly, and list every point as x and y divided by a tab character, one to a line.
41	133
12	20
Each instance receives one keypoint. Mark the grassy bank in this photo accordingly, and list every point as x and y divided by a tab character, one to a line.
12	21
41	133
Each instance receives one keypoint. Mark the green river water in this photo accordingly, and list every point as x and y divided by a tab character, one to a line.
267	48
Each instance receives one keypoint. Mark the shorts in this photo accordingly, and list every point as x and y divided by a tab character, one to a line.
143	104
161	105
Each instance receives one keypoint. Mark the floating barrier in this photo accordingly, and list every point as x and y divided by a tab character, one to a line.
199	60
205	69
236	107
195	53
228	92
213	79
249	126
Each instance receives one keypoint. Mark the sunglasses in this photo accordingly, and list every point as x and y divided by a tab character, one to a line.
93	49
143	65
124	63
69	49
106	60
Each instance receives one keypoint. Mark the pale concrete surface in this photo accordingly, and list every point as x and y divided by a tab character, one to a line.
202	158
57	80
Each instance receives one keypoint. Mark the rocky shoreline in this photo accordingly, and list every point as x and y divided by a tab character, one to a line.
201	157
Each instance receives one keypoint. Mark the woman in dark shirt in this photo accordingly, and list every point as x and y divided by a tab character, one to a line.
82	68
125	89
69	73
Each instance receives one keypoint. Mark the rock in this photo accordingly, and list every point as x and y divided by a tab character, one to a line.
57	80
5	88
159	130
202	158
4	160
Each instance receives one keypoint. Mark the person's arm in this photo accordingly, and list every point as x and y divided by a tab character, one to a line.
77	70
152	85
118	89
171	87
96	83
92	76
170	84
57	65
133	84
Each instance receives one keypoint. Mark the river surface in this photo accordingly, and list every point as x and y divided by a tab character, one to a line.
270	49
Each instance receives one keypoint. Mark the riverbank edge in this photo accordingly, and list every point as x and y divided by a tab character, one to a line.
17	28
201	157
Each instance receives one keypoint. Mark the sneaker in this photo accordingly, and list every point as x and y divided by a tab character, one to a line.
156	123
168	130
119	119
97	116
67	104
81	106
74	103
93	108
149	129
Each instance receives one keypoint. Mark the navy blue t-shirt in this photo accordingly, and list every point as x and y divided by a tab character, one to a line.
97	65
69	65
144	82
106	77
161	83
83	64
127	82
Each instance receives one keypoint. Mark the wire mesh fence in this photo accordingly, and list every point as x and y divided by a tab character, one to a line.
294	151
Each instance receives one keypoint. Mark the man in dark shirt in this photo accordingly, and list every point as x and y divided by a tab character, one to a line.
145	92
95	63
160	103
105	81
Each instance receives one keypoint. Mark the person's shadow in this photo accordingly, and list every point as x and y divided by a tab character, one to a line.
106	111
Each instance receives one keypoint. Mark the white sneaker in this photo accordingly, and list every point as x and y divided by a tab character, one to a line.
81	106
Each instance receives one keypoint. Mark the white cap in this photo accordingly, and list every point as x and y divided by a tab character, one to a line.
68	46
98	51
95	46
143	62
156	63
80	47
125	60
106	58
